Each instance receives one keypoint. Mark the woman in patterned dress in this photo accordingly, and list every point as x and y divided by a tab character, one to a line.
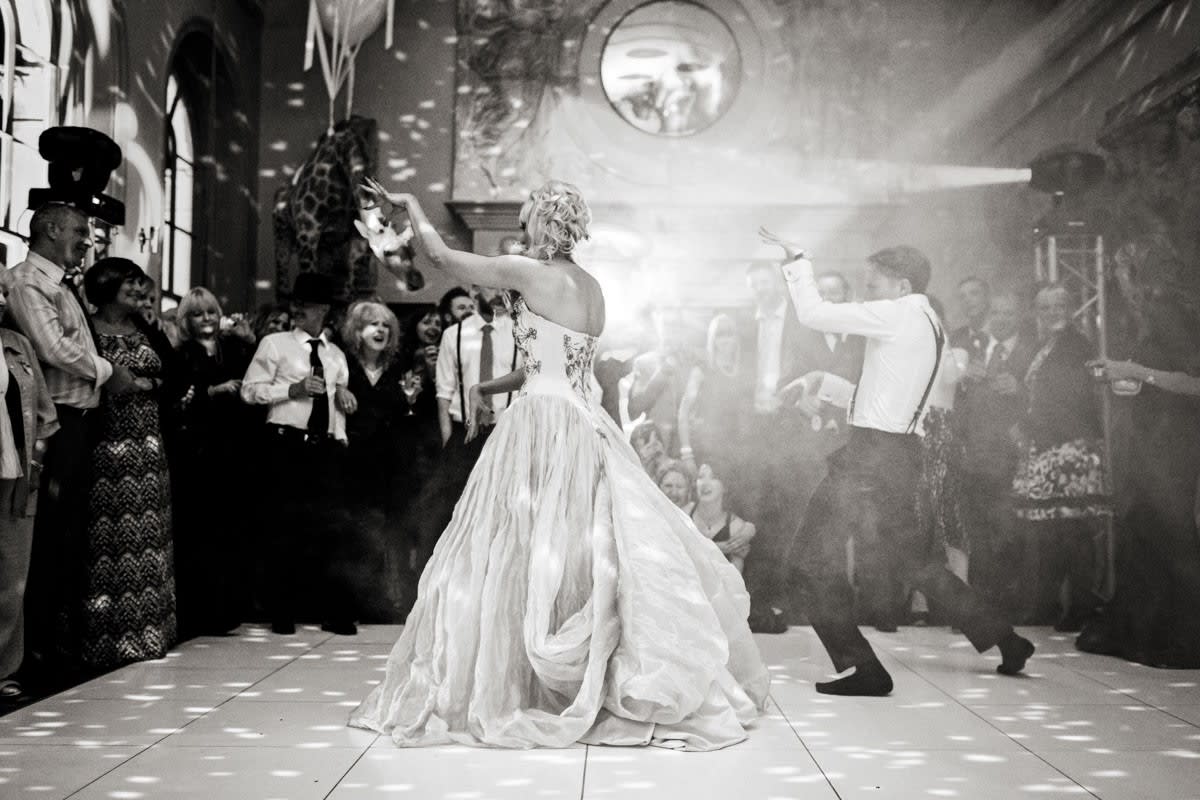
939	502
129	601
569	600
1061	485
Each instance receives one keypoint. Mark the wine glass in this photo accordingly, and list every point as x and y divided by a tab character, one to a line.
411	386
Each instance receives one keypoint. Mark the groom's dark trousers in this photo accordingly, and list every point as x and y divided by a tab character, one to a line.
870	494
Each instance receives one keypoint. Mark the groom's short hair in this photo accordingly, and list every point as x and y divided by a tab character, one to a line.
903	261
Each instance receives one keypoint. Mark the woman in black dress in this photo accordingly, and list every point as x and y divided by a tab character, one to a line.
212	452
379	463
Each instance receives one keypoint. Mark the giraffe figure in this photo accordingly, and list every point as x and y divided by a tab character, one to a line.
314	214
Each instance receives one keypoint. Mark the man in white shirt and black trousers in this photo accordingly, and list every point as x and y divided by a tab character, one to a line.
870	491
478	348
302	377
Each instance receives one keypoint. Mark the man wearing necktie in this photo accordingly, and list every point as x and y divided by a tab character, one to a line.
476	349
302	376
974	295
991	399
46	307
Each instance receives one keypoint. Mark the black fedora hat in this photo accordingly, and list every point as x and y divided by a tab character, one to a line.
312	288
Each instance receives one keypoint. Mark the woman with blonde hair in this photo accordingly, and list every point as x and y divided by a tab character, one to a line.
378	463
568	600
210	466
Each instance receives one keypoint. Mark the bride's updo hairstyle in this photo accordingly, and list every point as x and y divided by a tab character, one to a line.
555	219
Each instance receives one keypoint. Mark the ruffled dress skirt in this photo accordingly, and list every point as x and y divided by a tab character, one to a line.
570	601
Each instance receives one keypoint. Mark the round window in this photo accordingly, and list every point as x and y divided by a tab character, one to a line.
671	68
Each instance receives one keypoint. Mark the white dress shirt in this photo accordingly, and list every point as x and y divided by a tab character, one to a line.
832	340
503	350
770	358
283	359
993	343
900	348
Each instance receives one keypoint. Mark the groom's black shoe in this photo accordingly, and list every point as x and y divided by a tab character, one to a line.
284	627
867	680
340	627
1015	650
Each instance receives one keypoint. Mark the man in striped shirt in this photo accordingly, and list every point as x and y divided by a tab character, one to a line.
45	306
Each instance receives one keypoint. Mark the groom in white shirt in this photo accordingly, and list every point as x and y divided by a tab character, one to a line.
870	491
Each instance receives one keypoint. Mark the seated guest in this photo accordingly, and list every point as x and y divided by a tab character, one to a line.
729	532
676	482
129	605
301	377
376	465
211	469
27	420
1061	485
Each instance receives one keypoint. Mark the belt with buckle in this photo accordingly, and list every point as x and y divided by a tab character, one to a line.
299	434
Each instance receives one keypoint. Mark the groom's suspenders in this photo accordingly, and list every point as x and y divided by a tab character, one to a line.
939	339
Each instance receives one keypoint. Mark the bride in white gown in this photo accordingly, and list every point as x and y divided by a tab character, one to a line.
568	600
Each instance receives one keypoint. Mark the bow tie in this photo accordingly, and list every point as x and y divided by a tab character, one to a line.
73	278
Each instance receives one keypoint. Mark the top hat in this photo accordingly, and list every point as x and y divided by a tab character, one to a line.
81	162
313	288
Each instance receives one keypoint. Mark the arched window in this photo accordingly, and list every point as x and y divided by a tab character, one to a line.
180	183
28	105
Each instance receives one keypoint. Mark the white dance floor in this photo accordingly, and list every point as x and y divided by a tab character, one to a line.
262	716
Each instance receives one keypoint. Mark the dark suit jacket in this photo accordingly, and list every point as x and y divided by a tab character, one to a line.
845	360
791	352
965	338
985	416
1062	398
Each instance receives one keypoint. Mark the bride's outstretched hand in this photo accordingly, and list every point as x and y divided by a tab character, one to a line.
790	249
378	195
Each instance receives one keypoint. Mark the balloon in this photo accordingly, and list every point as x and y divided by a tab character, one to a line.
356	19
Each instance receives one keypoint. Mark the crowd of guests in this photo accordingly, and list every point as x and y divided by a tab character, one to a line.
1016	484
166	475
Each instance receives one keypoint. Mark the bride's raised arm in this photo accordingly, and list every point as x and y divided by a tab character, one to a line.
497	272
